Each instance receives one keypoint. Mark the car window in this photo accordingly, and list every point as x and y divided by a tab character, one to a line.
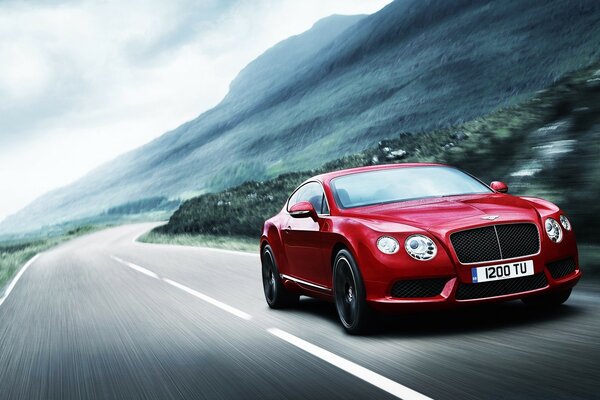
401	184
313	193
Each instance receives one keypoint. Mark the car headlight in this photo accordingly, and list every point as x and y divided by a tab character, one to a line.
564	221
420	247
387	245
553	230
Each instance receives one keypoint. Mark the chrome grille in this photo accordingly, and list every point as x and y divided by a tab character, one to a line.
496	242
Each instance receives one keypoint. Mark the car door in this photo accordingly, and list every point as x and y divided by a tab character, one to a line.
302	237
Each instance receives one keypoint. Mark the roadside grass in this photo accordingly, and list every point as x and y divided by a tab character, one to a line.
239	243
14	254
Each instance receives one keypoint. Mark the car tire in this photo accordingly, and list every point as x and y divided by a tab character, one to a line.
553	299
276	295
350	295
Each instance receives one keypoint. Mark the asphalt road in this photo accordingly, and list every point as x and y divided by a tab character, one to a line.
104	317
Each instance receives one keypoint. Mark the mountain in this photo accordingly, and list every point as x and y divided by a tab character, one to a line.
547	143
414	66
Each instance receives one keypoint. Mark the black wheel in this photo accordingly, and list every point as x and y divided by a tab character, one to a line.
553	299
276	294
350	295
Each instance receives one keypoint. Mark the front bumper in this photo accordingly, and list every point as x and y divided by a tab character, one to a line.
381	272
448	296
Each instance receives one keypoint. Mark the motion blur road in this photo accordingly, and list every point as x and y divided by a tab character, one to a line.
105	317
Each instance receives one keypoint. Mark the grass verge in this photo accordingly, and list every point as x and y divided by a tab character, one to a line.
239	243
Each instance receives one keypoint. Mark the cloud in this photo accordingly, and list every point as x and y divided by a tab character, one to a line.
81	82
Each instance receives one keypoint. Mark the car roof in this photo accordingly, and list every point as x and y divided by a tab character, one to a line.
325	178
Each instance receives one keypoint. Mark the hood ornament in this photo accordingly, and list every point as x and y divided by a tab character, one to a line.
491	217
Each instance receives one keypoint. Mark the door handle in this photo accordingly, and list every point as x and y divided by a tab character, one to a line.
287	229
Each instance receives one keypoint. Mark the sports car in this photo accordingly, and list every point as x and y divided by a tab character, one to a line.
409	236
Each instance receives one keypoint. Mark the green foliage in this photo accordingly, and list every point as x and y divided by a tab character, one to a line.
81	230
238	211
239	243
554	136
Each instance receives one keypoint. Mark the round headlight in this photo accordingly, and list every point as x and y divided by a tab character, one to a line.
387	245
553	230
420	247
564	221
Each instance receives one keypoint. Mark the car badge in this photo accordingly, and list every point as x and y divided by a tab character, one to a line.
491	217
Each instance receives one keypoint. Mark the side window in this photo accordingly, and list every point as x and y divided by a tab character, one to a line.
294	199
313	193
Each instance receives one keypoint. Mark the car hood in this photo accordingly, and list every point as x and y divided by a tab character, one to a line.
448	213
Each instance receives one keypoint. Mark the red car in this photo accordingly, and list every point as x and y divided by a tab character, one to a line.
403	236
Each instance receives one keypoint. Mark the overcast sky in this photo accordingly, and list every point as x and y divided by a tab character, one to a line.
81	82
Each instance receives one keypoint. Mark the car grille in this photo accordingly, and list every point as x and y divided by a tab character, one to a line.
469	291
419	288
562	268
495	242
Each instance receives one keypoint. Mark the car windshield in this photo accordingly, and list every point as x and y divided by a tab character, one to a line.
401	184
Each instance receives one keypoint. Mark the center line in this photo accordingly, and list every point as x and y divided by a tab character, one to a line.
210	300
360	372
136	267
201	296
366	375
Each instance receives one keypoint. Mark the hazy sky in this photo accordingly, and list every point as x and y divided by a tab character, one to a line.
81	82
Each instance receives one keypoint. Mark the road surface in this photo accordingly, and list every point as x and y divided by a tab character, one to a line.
106	317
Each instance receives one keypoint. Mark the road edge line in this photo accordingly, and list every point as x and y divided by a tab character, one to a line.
14	281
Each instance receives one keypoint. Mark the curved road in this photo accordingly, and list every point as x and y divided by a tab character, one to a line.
105	317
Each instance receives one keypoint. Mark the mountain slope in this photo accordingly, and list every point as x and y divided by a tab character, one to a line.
415	65
546	146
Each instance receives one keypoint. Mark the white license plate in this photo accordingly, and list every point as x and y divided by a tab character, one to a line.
502	271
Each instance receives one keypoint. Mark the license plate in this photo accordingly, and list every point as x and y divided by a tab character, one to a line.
502	271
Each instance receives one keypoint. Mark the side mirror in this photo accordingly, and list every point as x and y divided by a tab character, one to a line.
499	187
303	209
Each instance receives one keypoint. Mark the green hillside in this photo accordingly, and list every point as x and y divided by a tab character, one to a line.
415	66
546	146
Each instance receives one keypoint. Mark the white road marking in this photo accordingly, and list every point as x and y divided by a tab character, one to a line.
136	267
363	373
12	284
210	300
358	371
201	296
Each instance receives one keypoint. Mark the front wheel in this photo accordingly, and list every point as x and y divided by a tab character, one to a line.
350	294
276	294
553	299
